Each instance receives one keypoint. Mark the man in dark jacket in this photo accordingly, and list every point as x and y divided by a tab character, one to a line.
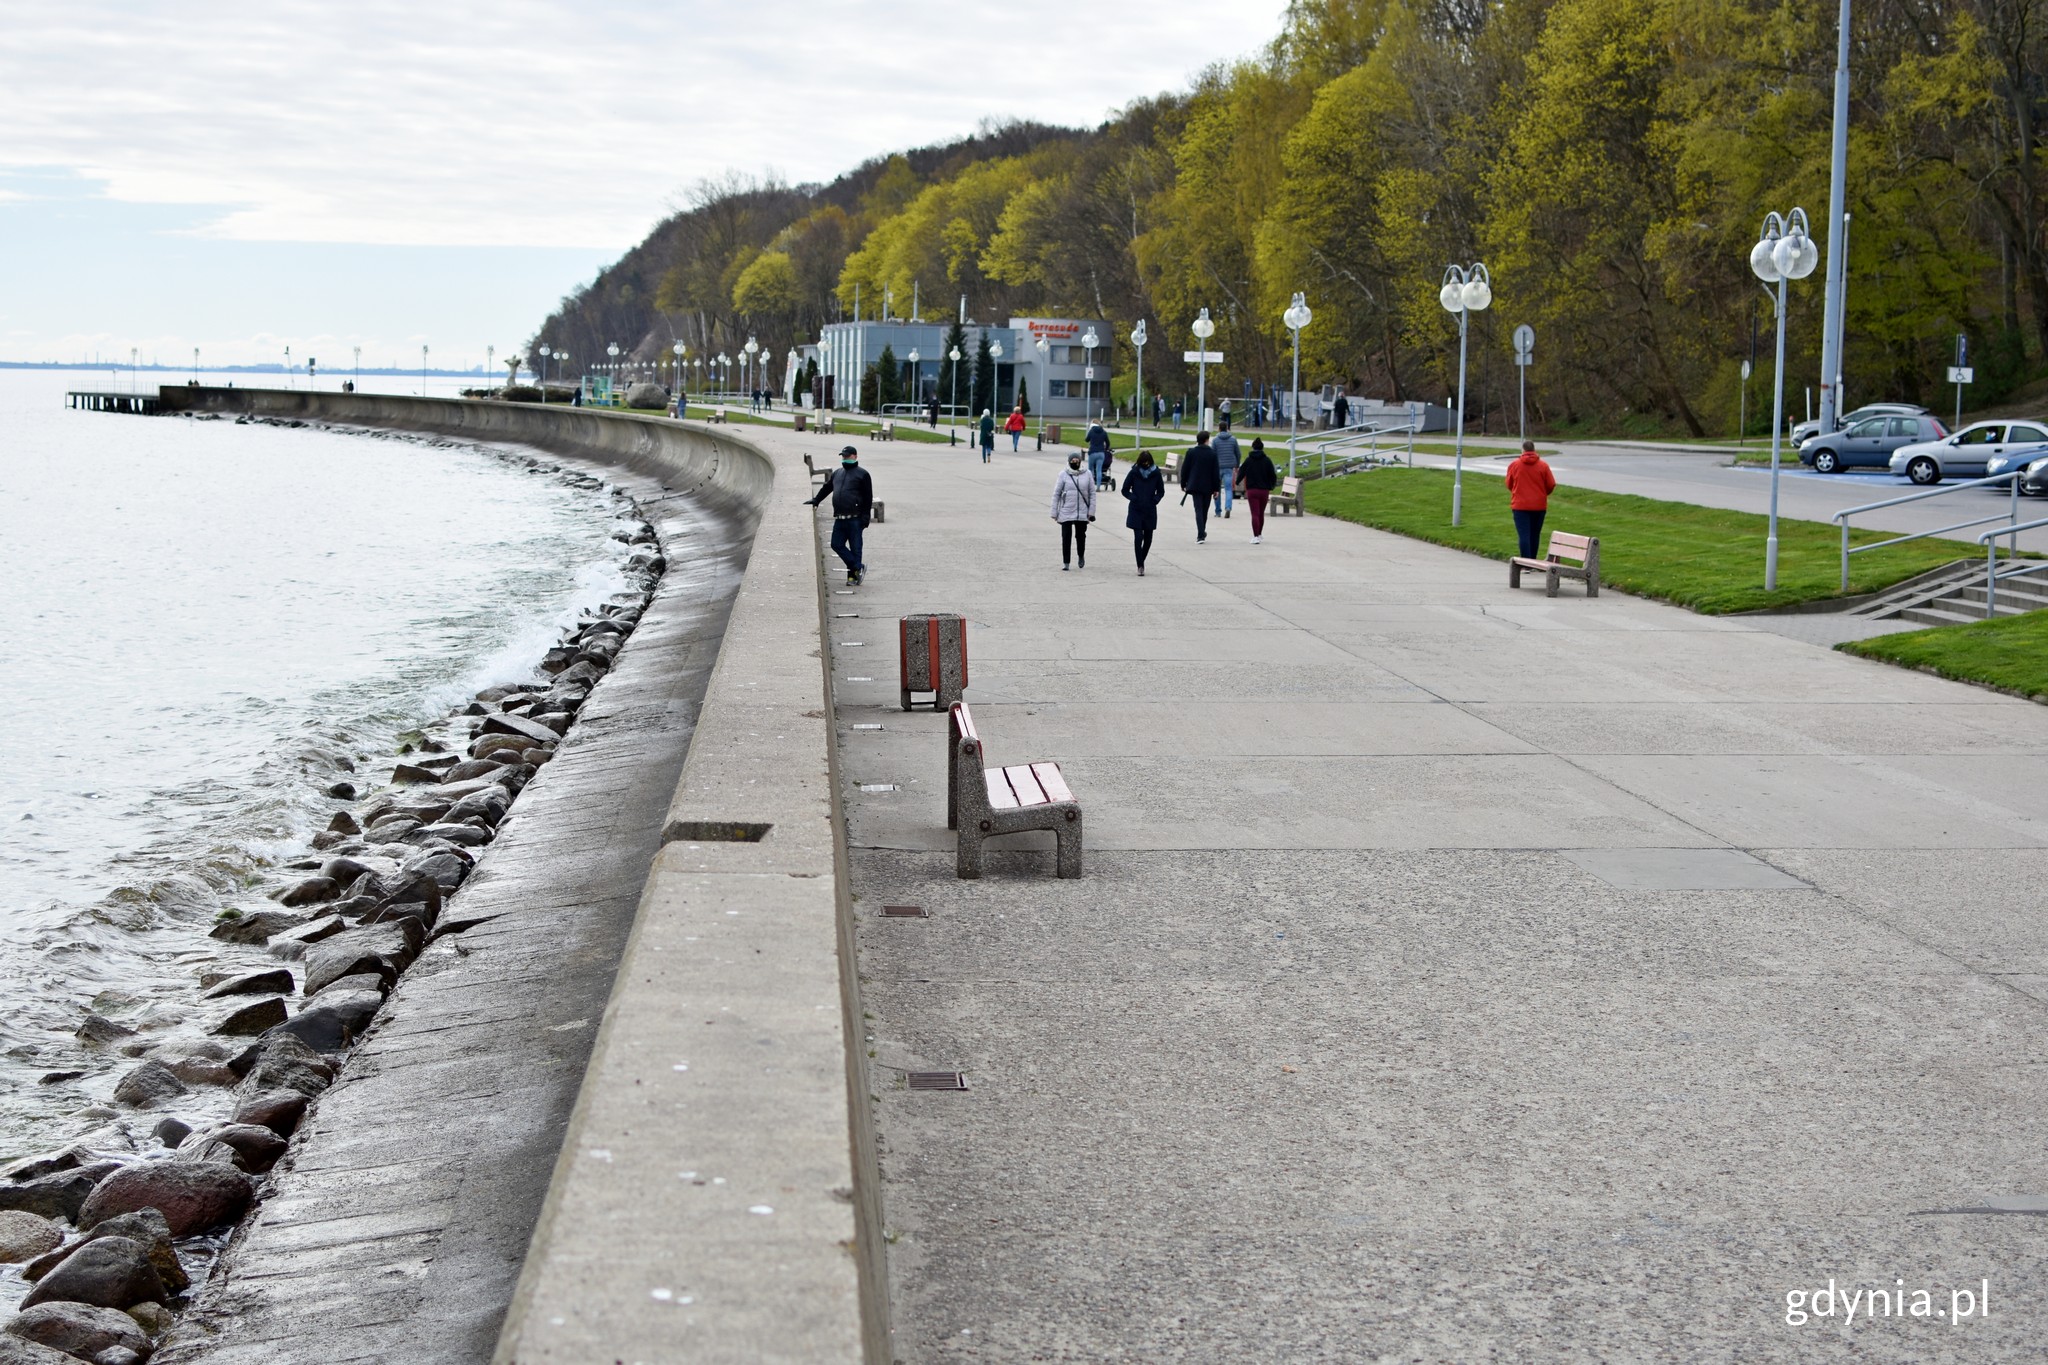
853	499
1199	479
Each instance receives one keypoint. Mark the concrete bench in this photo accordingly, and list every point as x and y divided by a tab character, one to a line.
984	802
827	425
885	432
1169	464
1286	498
1570	557
819	474
717	415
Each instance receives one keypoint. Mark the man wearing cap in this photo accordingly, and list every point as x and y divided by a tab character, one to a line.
853	498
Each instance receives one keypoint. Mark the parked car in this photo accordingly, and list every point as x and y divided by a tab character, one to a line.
2018	455
2034	483
1807	430
1869	442
1966	454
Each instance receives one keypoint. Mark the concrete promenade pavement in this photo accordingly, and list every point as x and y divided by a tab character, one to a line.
1457	974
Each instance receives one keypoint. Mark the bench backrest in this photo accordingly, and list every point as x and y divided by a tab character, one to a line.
1290	487
960	729
1578	549
964	784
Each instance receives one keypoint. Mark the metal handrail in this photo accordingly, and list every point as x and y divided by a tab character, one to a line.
1989	539
2013	516
1344	442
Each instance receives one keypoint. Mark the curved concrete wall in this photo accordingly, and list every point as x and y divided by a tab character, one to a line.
716	1196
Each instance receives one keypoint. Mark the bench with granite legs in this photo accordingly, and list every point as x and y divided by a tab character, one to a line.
984	802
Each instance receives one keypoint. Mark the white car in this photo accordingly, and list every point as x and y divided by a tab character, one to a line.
1966	454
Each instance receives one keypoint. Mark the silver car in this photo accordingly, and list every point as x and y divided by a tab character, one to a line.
1807	430
1968	453
1869	442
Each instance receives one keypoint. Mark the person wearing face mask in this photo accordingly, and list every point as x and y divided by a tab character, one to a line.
1073	507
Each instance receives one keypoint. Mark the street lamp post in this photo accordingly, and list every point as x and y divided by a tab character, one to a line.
791	368
1784	251
1203	330
1044	348
423	370
1296	317
490	363
754	383
359	367
545	352
995	355
1138	408
1466	290
953	415
612	365
1833	309
916	381
1088	345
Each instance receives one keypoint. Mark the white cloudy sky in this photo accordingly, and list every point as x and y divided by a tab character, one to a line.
241	176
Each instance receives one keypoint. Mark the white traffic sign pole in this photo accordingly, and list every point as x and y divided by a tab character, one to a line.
1525	350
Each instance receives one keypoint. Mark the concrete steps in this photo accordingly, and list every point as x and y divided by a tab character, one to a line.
1954	595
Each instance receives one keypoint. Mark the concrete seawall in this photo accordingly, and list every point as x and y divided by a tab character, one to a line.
712	1194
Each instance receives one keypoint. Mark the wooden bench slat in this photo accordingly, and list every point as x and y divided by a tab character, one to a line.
1054	785
1022	782
1000	797
1565	540
964	720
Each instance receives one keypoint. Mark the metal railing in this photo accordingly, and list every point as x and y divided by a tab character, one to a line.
1358	447
1989	540
2012	518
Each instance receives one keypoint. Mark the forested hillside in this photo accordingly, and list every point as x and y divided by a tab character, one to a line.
1609	160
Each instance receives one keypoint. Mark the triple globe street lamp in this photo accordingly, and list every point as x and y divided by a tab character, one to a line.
1466	290
1203	329
1138	339
1784	251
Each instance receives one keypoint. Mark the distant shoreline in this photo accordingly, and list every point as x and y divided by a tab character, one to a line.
351	370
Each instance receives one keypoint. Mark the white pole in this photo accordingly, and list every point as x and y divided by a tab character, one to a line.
1294	404
1777	430
1831	321
1458	462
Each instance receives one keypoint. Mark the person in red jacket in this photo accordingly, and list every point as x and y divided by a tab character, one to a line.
1015	426
1529	483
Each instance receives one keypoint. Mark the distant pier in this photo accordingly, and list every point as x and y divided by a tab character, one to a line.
141	404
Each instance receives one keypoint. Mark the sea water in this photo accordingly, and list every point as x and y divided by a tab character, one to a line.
203	625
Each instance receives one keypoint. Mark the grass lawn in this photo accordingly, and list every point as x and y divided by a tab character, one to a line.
1699	557
2011	652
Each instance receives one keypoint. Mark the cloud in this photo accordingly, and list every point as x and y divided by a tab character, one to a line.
538	123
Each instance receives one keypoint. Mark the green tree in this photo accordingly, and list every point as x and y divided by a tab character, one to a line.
956	383
889	378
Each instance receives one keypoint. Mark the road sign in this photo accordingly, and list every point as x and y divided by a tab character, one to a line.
1962	350
1088	373
1525	343
1202	357
1962	374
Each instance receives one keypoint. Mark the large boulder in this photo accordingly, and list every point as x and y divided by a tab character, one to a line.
272	981
145	1226
15	1351
192	1196
505	724
278	1110
253	1019
650	397
107	1272
256	927
79	1329
60	1194
282	1062
254	1147
148	1083
25	1236
333	1021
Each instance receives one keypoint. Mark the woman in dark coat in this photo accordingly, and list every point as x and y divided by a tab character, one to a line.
1145	486
1256	480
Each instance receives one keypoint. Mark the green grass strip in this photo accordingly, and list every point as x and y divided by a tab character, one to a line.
1699	557
2010	653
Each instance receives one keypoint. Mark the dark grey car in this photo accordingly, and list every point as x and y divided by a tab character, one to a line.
1870	442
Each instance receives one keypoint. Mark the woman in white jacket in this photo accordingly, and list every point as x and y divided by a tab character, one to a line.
1073	507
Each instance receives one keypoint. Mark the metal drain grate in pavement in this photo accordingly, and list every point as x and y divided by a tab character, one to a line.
904	912
937	1080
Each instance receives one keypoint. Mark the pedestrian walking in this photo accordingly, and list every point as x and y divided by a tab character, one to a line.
1098	454
1343	411
1015	426
1073	507
1198	480
1178	405
853	500
1257	477
1529	482
988	436
1225	446
1158	411
931	412
1145	487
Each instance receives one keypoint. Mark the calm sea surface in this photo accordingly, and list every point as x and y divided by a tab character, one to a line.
203	622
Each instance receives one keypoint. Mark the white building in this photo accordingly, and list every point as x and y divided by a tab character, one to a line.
1059	380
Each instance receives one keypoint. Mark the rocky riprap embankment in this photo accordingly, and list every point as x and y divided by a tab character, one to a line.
111	1227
